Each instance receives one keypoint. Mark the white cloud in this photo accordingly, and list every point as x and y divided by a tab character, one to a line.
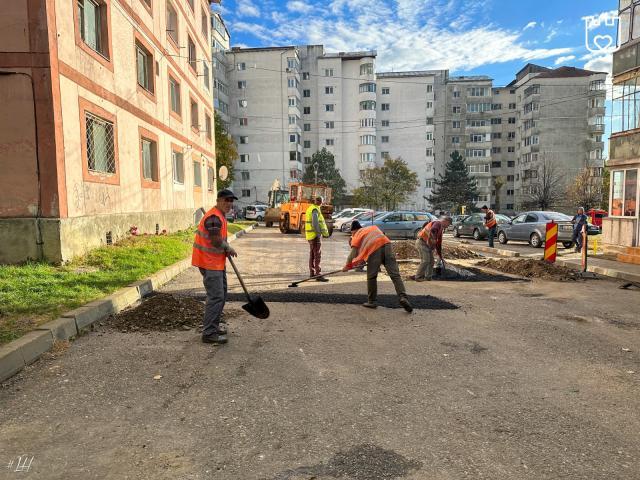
564	59
246	8
299	6
530	25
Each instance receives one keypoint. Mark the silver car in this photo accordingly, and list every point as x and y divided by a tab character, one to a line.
532	227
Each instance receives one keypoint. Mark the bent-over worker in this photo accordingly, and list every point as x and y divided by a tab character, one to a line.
315	227
430	239
370	245
210	252
491	223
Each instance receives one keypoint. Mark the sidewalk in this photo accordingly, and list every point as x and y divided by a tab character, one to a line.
609	268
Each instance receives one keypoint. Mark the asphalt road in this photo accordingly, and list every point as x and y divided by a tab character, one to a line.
519	380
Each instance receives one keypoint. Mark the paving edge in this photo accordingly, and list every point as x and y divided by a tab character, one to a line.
606	272
15	355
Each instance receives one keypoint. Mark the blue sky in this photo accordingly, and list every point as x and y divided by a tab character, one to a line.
491	37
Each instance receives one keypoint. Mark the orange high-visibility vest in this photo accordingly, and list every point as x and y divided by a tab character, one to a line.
425	235
492	222
205	255
367	240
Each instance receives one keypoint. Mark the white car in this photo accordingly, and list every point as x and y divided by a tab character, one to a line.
348	217
255	212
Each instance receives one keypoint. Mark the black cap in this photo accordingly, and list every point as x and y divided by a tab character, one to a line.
355	225
226	193
484	207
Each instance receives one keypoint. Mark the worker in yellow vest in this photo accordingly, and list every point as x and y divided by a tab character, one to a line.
314	229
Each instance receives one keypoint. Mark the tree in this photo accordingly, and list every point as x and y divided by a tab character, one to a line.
498	183
587	189
387	186
226	151
606	184
546	189
328	174
455	188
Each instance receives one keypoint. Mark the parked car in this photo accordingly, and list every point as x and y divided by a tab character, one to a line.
344	223
532	227
399	224
455	219
231	216
348	212
255	212
473	226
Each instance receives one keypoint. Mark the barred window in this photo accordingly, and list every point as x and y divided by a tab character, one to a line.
101	154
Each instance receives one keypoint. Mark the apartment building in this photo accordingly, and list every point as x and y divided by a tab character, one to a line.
220	39
504	125
561	116
106	122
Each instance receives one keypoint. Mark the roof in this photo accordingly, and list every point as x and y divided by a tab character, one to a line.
352	55
261	49
470	78
567	72
415	73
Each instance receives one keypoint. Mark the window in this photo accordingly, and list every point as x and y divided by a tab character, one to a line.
496	121
305	76
307	160
366	69
101	153
242	103
245	175
476	123
496	135
455	140
429	121
385	91
194	115
496	164
293	138
307	144
511	135
307	127
144	67
293	120
429	88
367	87
367	105
292	101
384	154
429	104
207	125
428	183
328	90
306	93
191	5
478	91
367	157
329	142
479	137
246	193
241	66
369	139
511	163
455	124
328	107
242	84
481	168
328	72
512	106
328	124
456	94
174	96
626	97
149	152
177	162
191	50
496	150
92	19
197	174
292	63
478	107
292	83
496	106
512	120
475	153
306	110
244	140
429	152
210	178
624	186
456	109
205	74
244	158
204	24
172	23
385	123
510	192
368	122
428	136
511	149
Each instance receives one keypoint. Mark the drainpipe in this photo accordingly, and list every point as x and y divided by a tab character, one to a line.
38	217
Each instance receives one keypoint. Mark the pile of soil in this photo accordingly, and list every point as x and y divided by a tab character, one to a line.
162	312
530	268
406	249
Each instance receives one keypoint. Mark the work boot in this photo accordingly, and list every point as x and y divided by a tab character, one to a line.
322	279
222	330
370	305
216	339
404	301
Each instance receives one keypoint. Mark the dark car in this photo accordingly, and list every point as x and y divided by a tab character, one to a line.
473	226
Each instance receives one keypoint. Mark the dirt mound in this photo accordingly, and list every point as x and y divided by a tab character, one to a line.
530	268
162	312
406	249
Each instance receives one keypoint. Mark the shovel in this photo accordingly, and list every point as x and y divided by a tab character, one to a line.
256	305
295	284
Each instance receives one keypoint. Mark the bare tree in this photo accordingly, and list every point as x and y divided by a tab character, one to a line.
587	189
547	187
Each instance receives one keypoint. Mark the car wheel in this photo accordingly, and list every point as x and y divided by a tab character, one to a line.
502	238
456	233
476	234
343	228
567	244
535	241
259	219
415	234
284	224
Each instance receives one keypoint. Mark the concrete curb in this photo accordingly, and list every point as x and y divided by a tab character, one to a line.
479	248
607	272
15	355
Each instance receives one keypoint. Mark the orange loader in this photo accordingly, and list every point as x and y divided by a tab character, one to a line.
301	195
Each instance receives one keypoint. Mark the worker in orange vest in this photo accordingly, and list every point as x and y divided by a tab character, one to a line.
491	223
210	252
370	245
430	239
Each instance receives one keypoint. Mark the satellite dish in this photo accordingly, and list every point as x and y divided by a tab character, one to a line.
223	173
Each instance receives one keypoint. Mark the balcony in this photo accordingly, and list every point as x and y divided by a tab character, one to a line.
625	59
366	165
597	111
596	128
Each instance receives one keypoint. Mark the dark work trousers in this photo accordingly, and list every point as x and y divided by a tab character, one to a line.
215	283
492	234
577	238
315	255
383	256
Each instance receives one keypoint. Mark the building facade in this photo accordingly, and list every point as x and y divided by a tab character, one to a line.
106	122
621	230
504	124
220	43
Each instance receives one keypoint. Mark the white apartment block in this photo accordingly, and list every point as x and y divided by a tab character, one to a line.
219	45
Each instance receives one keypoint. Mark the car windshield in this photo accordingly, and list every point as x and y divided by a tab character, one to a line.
379	215
556	217
363	215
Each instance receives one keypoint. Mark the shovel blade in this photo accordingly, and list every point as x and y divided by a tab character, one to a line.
257	308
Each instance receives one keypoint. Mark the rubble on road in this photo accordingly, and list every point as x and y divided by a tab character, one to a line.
531	268
406	249
163	312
